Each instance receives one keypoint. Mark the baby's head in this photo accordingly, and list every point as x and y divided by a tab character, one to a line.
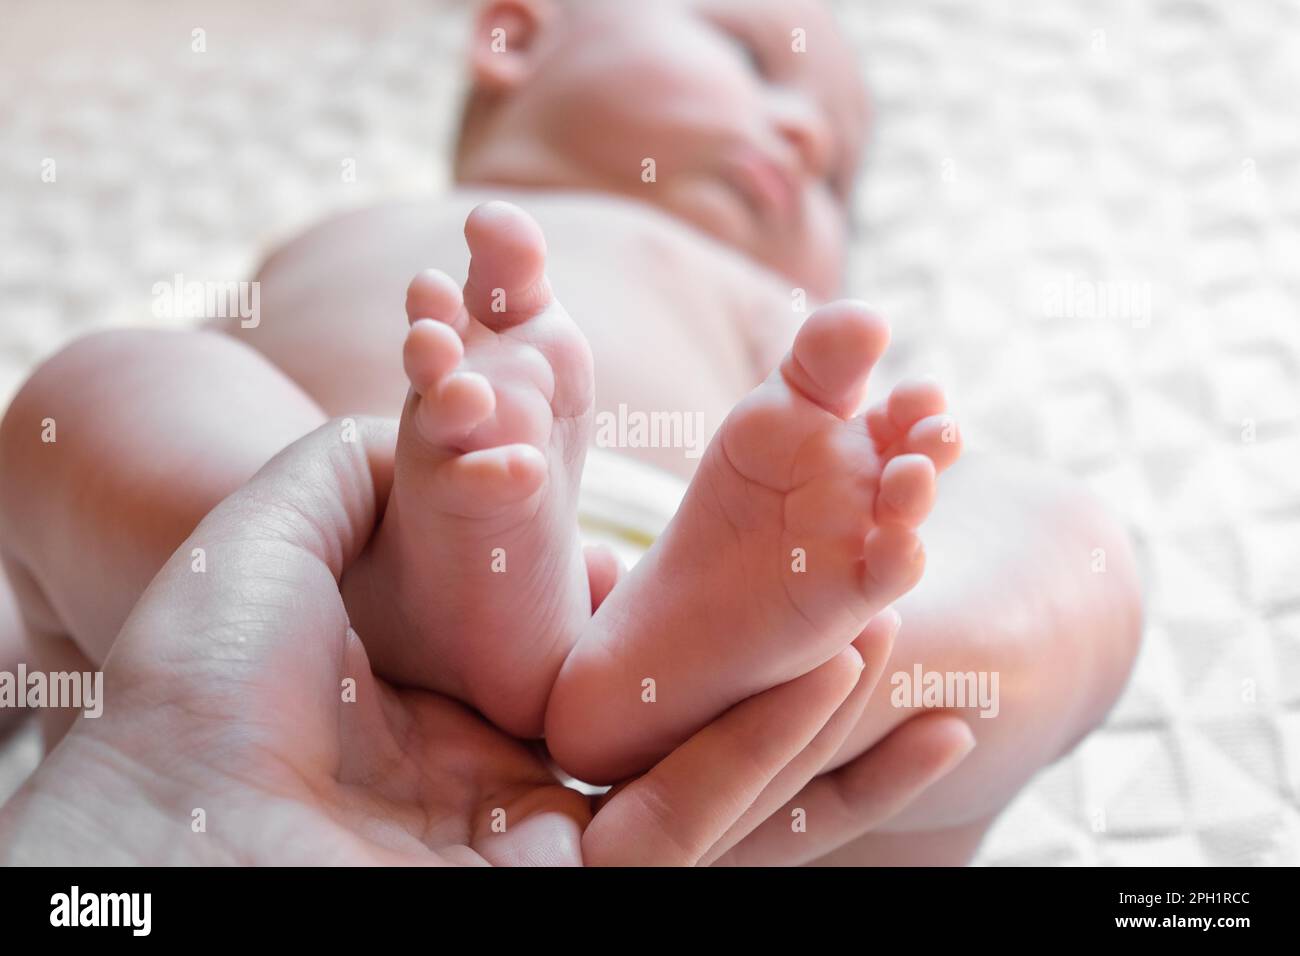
751	110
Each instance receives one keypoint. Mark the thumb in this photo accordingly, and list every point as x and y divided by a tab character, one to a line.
244	627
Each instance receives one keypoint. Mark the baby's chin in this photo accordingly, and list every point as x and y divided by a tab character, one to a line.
723	214
715	209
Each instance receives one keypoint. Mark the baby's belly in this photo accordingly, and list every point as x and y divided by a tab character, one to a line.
668	363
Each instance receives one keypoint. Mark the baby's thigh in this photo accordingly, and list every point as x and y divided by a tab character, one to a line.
1010	630
999	688
113	451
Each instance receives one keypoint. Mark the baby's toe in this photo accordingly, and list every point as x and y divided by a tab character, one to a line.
446	415
937	437
478	484
431	352
914	400
912	420
833	354
907	491
435	295
507	270
894	561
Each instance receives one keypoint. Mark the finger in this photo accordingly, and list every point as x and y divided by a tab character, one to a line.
874	644
245	620
674	813
841	806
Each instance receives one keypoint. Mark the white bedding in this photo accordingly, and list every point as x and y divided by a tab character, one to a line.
1021	150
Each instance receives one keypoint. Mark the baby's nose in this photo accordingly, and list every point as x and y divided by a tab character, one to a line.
804	126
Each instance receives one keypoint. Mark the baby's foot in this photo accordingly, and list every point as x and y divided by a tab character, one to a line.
798	528
475	584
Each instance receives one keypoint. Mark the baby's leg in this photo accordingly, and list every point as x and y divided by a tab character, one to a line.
110	455
1029	579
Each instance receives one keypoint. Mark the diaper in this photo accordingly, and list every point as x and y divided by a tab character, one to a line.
625	504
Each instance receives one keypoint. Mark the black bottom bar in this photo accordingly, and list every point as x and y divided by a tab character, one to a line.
334	906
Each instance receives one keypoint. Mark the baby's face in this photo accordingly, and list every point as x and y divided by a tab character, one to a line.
751	111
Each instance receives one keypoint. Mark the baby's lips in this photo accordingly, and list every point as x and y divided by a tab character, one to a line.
772	189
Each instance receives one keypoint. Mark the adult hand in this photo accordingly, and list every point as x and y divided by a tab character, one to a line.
242	723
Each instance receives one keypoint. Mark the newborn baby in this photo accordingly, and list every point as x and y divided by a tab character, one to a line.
686	168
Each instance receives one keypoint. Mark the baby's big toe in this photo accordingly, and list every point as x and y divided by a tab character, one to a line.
507	270
833	355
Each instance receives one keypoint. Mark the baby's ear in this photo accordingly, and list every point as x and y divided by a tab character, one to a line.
504	39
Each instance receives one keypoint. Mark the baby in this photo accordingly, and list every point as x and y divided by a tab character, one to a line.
687	169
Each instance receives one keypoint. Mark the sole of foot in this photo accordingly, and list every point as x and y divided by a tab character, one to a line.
799	526
475	583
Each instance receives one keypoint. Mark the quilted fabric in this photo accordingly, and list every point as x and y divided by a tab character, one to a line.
1083	215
